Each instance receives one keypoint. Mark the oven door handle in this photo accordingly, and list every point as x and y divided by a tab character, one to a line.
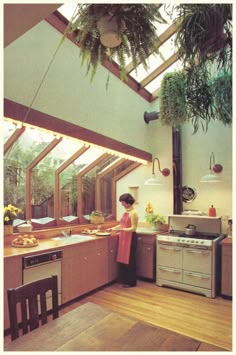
197	251
170	248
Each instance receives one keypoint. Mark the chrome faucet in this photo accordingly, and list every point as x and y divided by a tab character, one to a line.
65	234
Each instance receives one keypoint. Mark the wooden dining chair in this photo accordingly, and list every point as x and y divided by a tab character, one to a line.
33	305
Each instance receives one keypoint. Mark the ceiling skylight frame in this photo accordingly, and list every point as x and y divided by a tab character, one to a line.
140	75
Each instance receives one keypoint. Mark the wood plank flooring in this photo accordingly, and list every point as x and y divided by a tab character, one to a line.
205	319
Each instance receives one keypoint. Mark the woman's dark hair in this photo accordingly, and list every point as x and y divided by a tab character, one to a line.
127	198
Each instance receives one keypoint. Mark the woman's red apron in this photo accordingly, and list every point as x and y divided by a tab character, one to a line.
125	238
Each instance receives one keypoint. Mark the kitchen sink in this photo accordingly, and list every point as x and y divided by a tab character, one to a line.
74	238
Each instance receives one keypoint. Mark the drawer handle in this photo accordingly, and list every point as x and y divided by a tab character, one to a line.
173	270
197	275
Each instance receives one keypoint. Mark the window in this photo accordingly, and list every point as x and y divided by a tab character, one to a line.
58	178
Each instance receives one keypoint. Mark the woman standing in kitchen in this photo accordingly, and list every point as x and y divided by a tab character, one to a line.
127	241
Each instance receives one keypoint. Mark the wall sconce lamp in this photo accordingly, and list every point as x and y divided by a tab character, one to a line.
154	180
214	169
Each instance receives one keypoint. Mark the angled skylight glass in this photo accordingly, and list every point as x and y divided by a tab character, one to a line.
167	49
155	84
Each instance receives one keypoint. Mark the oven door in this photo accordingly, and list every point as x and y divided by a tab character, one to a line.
169	255
198	260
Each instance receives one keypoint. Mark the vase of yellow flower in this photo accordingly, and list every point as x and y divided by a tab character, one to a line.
9	214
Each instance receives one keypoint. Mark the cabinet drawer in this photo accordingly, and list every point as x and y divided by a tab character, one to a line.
197	279
147	239
168	273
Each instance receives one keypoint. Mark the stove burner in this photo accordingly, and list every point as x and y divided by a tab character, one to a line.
203	236
199	236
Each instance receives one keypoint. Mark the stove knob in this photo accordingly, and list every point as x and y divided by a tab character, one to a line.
196	241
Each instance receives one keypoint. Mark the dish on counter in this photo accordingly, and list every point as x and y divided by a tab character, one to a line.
90	231
103	234
24	241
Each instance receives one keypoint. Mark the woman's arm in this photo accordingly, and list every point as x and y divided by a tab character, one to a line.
116	228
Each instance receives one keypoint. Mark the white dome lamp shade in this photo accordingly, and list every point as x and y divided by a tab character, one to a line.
155	180
214	170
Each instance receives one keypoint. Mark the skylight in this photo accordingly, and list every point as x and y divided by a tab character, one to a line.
167	49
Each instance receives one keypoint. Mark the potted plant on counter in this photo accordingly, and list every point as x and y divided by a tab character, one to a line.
152	218
96	217
10	213
135	35
155	220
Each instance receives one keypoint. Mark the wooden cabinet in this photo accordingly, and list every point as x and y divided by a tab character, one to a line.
12	278
226	267
71	279
146	256
84	268
96	265
112	263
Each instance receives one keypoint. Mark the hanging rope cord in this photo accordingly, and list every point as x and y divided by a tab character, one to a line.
50	64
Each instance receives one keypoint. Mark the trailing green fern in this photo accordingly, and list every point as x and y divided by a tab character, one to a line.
139	38
173	104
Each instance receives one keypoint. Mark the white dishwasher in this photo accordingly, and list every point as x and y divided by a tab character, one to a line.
43	265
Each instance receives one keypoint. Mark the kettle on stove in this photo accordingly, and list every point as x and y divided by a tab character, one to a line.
190	229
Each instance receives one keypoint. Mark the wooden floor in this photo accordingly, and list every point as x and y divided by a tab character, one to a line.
204	319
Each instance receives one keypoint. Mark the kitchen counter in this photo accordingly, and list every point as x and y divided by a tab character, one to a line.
46	243
148	231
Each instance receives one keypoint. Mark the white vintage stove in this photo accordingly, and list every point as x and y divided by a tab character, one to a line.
191	263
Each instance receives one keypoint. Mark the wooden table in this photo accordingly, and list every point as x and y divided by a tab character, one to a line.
94	328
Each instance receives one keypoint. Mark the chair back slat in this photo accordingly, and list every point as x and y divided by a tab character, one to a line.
24	315
33	311
43	307
32	298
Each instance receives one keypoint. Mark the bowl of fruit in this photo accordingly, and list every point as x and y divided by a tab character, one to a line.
24	241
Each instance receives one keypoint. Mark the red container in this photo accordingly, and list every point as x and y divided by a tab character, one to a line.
212	211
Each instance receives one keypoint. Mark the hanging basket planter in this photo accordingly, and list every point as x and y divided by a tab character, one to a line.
110	31
214	38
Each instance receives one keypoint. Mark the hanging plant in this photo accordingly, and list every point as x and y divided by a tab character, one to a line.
222	89
173	104
136	24
199	97
193	95
204	32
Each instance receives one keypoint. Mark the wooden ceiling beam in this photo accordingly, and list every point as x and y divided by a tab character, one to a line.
20	18
171	60
163	38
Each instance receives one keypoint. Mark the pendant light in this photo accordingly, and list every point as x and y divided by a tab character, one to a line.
155	180
213	170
